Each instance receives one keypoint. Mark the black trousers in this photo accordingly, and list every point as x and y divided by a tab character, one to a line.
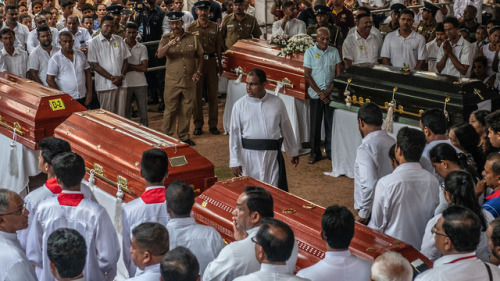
318	112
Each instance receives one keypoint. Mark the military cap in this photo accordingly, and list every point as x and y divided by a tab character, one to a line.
321	9
175	16
114	9
397	8
202	5
429	7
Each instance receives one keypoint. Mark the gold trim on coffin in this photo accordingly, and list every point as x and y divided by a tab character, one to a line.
285	81
16	127
399	109
98	172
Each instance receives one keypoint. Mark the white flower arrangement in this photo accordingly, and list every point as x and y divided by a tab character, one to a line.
280	40
297	44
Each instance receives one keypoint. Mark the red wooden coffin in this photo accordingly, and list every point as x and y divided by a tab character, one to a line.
32	110
112	147
257	53
214	207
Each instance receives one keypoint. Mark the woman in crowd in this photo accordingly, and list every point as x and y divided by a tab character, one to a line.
490	50
227	8
466	139
100	12
480	71
477	120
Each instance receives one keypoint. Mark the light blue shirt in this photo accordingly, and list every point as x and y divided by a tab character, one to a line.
323	65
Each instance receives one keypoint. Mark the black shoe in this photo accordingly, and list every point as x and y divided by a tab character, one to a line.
214	131
197	131
190	142
161	107
153	101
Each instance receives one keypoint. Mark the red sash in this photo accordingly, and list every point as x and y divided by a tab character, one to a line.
52	185
154	196
70	199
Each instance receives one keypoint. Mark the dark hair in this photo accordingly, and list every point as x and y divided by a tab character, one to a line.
66	3
259	200
87	17
463	228
288	4
131	25
435	120
495	233
179	264
481	114
411	142
43	28
338	225
365	10
22	17
360	16
493	121
371	114
154	165
494	157
451	20
259	73
37	3
483	27
10	7
65	33
180	198
439	27
224	5
107	18
472	7
469	141
45	12
408	12
494	29
460	185
446	152
484	61
75	18
86	7
152	237
392	153
97	6
50	147
494	22
69	167
7	30
67	250
276	239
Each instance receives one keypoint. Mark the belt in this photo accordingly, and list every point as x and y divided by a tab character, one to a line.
267	144
208	56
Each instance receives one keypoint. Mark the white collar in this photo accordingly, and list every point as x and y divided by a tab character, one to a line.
155	268
154	187
8	236
275	268
181	221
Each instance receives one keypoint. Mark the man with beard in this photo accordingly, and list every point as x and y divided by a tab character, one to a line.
239	25
322	20
38	61
362	46
33	42
433	47
289	25
372	162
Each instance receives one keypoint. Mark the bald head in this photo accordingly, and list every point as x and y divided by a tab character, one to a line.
276	239
391	266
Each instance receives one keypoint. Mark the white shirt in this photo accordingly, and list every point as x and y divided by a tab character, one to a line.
490	55
360	50
270	272
372	163
202	240
342	265
468	268
70	75
292	27
187	19
32	41
429	249
138	53
136	212
255	118
61	23
150	273
374	3
21	32
432	53
14	265
91	220
238	259
39	60
404	202
459	7
16	64
81	38
462	51
402	50
110	56
373	31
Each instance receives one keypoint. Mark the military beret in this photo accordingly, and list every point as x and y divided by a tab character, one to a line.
175	16
321	9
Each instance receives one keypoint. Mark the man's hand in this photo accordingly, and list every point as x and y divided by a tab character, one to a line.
237	171
361	220
480	188
239	234
196	77
117	80
447	47
84	50
295	161
88	99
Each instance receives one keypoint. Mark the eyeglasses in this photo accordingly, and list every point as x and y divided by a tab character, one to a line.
255	240
16	212
434	231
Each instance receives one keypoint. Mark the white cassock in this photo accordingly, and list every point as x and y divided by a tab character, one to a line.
90	219
271	272
292	28
238	259
151	207
265	118
202	240
372	163
429	249
14	265
404	202
150	273
343	265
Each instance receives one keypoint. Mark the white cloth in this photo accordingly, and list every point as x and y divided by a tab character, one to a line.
16	64
92	221
404	202
81	38
138	53
39	60
202	240
372	163
401	50
425	160
187	18
150	273
255	118
110	56
61	23
375	3
429	249
27	164
32	41
238	259
14	265
21	32
70	75
432	53
459	7
270	272
461	50
466	269
360	50
490	55
342	265
292	27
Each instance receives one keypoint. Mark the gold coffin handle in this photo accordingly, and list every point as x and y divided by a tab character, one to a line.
399	109
16	127
99	173
285	81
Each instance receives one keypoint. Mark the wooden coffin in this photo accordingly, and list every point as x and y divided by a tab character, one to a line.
112	147
214	207
416	91
32	110
257	53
